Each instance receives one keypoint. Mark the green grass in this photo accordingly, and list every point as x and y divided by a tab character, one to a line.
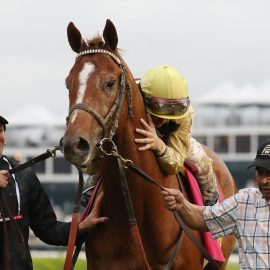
58	264
233	266
55	264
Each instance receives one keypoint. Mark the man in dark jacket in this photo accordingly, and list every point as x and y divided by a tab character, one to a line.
31	208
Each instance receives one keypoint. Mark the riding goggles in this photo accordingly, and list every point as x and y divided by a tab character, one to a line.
166	107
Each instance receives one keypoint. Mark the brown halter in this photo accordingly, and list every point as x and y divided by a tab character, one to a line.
113	115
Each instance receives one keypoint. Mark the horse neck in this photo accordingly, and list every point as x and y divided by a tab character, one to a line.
125	134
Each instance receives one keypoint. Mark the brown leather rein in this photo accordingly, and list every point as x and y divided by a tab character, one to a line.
122	165
128	164
74	224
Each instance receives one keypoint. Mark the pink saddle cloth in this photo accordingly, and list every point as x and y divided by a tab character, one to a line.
209	242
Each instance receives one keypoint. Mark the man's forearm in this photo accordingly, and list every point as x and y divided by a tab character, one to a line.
192	215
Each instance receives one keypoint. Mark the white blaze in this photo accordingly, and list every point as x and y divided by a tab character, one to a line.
84	75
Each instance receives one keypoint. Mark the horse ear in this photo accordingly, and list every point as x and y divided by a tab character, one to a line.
74	37
110	35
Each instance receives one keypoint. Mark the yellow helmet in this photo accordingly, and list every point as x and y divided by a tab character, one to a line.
166	92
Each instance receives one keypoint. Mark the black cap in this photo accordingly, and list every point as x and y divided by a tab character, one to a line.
263	156
3	121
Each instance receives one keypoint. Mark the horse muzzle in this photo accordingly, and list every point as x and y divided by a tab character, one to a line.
75	149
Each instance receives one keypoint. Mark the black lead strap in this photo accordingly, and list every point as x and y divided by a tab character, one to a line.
49	153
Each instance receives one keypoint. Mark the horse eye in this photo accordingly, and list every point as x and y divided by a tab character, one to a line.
110	84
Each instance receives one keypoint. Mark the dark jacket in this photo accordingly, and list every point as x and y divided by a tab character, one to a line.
38	215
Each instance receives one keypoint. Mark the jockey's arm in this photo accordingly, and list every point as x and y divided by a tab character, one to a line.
190	213
172	156
172	161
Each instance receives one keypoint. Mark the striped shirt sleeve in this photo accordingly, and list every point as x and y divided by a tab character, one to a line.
221	219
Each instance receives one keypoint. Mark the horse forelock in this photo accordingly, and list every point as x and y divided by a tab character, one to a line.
97	42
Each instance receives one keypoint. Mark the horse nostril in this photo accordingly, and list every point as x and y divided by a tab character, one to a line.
80	147
75	147
83	145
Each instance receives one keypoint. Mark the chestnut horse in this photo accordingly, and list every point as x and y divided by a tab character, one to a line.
104	101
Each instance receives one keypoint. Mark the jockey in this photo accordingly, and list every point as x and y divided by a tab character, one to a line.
169	129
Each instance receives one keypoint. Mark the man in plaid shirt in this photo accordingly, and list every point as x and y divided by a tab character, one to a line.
245	215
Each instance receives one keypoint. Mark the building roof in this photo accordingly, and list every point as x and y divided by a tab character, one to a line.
35	115
228	95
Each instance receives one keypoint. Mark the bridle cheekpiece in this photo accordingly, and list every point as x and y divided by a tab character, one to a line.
115	109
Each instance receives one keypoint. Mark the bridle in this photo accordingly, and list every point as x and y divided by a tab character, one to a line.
113	115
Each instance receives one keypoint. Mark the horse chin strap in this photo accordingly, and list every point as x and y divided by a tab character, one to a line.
115	109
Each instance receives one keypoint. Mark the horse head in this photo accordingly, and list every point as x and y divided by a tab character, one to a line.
97	85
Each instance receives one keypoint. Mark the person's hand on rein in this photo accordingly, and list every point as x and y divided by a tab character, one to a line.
4	175
94	218
173	199
151	140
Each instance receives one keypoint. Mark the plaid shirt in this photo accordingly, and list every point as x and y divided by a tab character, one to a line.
247	216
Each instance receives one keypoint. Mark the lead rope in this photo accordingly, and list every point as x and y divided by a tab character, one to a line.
74	224
86	212
131	217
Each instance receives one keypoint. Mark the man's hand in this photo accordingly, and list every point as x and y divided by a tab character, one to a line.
4	175
94	218
151	140
190	213
173	199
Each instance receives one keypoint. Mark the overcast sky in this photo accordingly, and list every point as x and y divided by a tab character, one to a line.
209	41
